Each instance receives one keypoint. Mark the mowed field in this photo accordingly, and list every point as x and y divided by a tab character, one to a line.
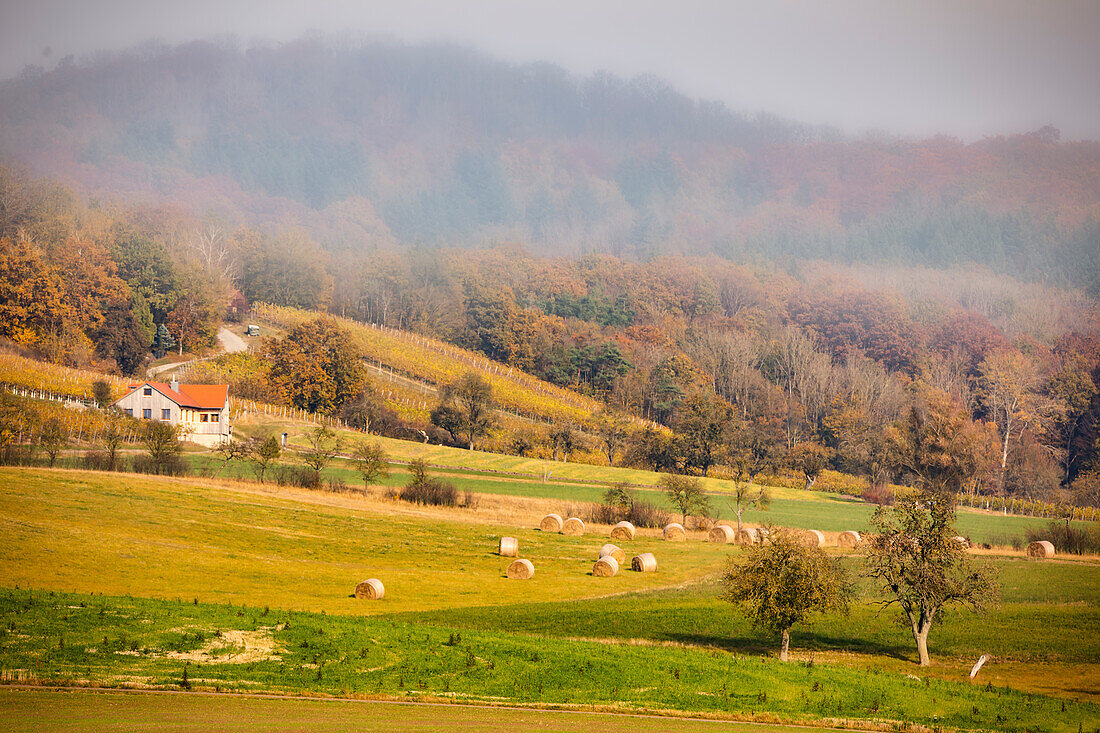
130	580
568	483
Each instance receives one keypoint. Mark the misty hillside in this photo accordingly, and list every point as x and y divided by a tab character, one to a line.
386	145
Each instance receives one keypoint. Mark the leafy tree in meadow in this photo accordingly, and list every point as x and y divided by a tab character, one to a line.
229	451
783	581
52	438
912	552
371	463
162	444
324	444
686	494
920	567
114	432
263	452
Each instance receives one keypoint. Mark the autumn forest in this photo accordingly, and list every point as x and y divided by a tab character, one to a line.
761	295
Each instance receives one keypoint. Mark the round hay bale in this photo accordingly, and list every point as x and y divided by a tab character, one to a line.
573	527
509	547
606	567
722	534
674	532
849	539
551	523
644	563
962	542
521	569
1042	548
812	538
622	531
371	590
745	536
610	550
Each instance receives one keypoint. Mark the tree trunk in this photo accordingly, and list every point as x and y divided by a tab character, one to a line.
810	481
920	635
1004	456
739	521
784	645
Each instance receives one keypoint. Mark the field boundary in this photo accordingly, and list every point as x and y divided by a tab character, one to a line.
434	702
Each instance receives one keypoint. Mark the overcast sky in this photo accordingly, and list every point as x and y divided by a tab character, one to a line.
928	66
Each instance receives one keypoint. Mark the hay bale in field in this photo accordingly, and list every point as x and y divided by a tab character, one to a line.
573	527
722	534
849	539
509	547
606	567
551	523
521	569
812	538
962	542
674	532
1042	548
745	536
370	589
610	550
644	563
622	531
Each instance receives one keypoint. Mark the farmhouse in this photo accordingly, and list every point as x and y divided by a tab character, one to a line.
200	410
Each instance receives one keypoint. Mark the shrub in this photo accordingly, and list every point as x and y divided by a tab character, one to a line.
879	494
169	465
425	489
645	514
337	486
300	476
619	503
95	460
1067	538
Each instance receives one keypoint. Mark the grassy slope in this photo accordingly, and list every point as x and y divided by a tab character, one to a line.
436	362
182	538
170	538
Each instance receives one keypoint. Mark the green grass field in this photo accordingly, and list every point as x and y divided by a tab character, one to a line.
492	473
248	587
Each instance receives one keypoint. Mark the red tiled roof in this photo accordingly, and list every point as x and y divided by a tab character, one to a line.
198	396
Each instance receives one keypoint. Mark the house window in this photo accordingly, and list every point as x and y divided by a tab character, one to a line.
147	414
129	412
205	418
148	392
166	414
213	417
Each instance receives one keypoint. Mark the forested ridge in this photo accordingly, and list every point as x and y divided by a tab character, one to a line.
372	146
773	297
